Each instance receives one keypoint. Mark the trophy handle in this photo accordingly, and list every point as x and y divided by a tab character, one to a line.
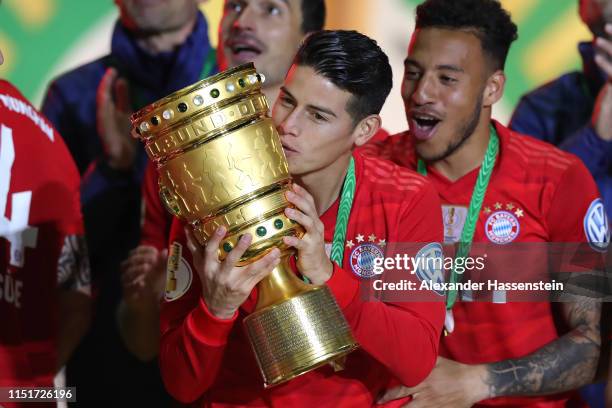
169	200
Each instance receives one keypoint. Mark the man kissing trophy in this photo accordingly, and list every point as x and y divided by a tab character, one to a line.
221	163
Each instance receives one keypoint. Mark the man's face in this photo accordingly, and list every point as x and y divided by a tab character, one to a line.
315	131
595	14
444	78
155	16
266	32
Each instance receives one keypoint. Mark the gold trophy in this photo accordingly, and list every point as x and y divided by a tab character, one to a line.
221	163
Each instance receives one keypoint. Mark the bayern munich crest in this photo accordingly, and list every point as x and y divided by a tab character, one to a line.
362	259
502	227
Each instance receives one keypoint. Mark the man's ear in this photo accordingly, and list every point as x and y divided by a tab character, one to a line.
494	89
366	129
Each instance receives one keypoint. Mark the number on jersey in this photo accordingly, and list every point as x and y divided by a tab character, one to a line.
15	229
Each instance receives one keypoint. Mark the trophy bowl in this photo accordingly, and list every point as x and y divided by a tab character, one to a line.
221	163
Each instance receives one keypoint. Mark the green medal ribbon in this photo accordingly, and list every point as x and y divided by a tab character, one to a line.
467	235
209	64
344	211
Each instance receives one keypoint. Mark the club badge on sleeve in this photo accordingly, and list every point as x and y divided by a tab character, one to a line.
596	226
430	265
178	273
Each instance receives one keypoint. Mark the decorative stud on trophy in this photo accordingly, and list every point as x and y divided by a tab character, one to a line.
221	163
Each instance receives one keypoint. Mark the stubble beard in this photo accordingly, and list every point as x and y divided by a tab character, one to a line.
466	130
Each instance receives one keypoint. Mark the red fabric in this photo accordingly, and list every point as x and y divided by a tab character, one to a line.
42	167
210	359
380	136
554	191
156	220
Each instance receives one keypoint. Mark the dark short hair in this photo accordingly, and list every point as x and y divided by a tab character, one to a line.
354	63
486	18
313	15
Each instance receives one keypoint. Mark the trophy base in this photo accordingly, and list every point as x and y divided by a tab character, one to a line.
297	335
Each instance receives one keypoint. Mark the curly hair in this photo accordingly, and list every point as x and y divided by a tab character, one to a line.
485	18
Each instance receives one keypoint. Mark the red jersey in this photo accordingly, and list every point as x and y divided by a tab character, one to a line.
39	208
156	220
210	359
537	193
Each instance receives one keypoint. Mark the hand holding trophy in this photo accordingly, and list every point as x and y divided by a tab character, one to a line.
221	164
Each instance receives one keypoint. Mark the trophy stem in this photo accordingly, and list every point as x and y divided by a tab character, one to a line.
281	284
296	327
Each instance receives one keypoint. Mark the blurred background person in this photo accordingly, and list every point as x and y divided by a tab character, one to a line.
574	111
267	33
156	48
45	289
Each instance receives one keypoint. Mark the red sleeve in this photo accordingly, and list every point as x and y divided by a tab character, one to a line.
576	216
192	340
568	213
156	220
402	335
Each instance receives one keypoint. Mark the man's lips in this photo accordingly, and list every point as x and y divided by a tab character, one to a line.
288	149
244	48
242	57
423	125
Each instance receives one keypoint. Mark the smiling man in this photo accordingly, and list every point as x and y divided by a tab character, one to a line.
506	188
329	104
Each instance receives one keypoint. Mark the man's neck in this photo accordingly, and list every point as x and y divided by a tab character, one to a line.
325	185
469	156
165	41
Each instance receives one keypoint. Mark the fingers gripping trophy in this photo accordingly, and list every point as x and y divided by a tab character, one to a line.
220	163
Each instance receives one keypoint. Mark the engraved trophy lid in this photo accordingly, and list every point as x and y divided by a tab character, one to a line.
203	97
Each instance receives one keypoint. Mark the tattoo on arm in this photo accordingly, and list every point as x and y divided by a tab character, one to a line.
73	271
564	364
